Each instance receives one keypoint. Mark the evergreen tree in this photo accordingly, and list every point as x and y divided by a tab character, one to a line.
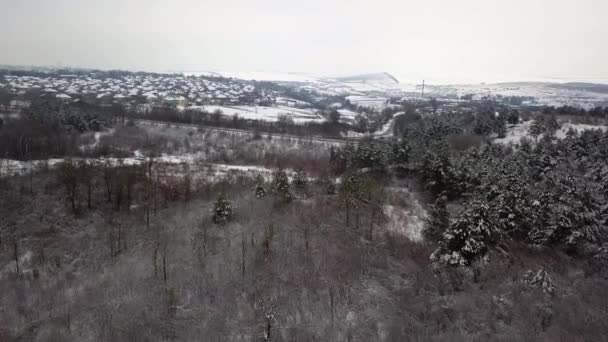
222	210
400	152
512	204
281	188
484	123
551	125
300	181
328	185
537	127
350	192
260	190
513	117
468	238
500	127
438	221
436	169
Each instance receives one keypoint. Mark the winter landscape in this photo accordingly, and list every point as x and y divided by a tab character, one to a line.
166	182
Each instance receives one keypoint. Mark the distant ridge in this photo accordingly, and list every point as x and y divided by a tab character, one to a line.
378	77
583	86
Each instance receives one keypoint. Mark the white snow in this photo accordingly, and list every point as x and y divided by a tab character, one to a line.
387	128
516	132
266	113
406	222
368	101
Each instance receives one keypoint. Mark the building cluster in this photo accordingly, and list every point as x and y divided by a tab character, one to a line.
136	91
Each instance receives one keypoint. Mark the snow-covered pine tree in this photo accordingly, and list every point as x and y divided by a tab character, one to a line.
400	152
512	204
223	210
438	221
260	190
537	127
328	184
469	237
568	213
300	181
350	192
281	188
436	169
552	125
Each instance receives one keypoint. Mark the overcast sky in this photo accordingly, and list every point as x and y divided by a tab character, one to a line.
444	40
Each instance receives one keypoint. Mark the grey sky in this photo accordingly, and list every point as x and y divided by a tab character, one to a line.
447	40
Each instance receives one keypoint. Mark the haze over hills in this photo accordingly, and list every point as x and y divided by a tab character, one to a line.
533	91
542	91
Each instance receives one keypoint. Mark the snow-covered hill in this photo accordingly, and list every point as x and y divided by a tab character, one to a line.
548	91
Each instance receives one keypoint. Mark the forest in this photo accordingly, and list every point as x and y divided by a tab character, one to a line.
436	234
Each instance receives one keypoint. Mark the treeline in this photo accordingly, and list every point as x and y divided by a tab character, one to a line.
94	73
90	183
28	138
597	112
284	125
79	116
51	129
552	193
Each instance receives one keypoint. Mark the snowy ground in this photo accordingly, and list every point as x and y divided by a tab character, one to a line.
96	139
347	116
266	113
516	132
368	101
386	131
212	171
405	214
9	116
549	94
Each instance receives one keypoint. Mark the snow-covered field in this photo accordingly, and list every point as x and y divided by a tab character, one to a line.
516	132
549	94
347	116
10	167
368	101
387	128
265	113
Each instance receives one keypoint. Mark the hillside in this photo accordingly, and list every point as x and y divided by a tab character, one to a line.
383	77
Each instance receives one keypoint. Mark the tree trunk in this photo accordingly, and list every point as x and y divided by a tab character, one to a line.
155	256
205	240
16	255
108	182
243	252
73	202
371	224
165	266
331	302
347	216
119	240
89	191
129	189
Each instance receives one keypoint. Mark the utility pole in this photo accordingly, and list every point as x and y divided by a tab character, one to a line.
422	89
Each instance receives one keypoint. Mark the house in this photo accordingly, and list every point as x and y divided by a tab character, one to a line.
178	101
63	97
